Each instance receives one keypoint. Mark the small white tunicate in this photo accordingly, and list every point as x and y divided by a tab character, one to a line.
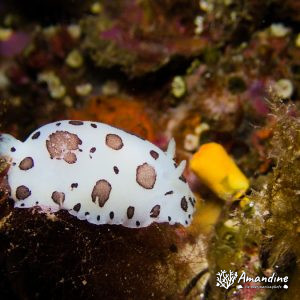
278	30
74	59
74	30
56	89
83	89
199	25
283	88
96	8
178	87
206	5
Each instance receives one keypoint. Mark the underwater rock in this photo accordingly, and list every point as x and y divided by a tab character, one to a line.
56	256
142	36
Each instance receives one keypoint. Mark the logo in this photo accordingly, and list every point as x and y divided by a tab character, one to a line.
226	279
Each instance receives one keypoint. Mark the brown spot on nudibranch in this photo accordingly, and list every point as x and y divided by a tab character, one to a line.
26	164
93	149
13	149
70	158
116	170
58	197
75	122
130	212
57	124
94	125
101	192
98	218
77	207
111	215
22	192
61	144
145	176
155	211
114	141
184	204
36	135
169	193
154	154
137	223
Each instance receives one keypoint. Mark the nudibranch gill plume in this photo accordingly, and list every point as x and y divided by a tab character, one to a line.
97	173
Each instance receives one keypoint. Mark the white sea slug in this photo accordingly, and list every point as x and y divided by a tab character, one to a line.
98	173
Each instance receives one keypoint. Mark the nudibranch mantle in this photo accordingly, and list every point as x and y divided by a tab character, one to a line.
98	173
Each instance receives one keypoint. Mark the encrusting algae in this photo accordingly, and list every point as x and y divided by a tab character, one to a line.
218	171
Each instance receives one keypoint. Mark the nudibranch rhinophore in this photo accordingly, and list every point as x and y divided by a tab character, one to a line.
98	173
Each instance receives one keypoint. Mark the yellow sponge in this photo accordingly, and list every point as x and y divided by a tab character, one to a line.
218	171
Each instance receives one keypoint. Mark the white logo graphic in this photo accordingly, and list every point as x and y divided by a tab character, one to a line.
226	280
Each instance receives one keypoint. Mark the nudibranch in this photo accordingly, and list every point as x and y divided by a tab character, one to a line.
97	173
